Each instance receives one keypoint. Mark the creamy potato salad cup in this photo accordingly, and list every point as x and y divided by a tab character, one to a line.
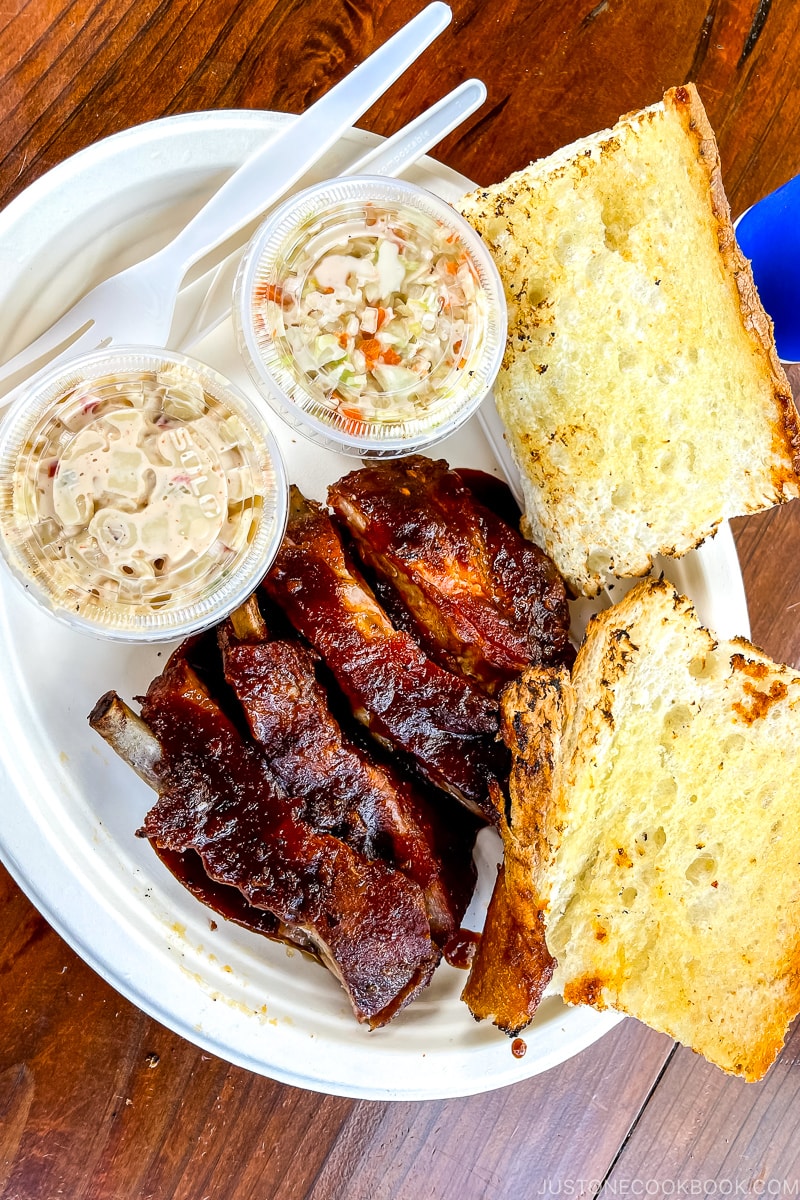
142	496
370	315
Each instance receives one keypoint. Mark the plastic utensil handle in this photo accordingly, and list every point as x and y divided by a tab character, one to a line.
416	138
270	172
202	305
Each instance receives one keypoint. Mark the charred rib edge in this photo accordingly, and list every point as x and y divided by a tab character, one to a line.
135	743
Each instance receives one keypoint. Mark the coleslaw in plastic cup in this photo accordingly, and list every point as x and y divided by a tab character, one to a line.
370	315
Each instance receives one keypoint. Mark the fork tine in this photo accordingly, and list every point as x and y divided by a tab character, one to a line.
87	341
73	322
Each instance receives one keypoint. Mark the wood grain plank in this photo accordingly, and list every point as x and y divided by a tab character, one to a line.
769	552
563	1124
703	1126
554	73
97	1101
103	1103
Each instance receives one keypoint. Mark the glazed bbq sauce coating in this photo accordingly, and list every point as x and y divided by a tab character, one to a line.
405	699
345	789
187	867
484	602
217	797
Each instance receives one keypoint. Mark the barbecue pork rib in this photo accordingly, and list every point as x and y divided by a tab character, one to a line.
217	797
405	699
346	790
126	733
485	603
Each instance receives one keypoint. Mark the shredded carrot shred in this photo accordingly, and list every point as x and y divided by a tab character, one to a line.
372	350
269	291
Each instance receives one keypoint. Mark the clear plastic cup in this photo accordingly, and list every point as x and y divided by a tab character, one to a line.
442	341
142	495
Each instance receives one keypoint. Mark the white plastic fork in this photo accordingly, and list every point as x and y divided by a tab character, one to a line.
137	305
205	303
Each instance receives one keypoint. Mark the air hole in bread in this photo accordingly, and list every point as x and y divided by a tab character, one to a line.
628	896
600	561
568	245
665	793
496	231
536	291
733	744
702	869
619	216
627	359
709	666
659	838
676	721
667	462
678	459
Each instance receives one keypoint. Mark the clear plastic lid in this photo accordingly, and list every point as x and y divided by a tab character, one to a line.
370	315
142	496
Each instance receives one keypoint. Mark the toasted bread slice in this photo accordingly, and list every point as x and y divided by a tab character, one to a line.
641	392
670	884
512	965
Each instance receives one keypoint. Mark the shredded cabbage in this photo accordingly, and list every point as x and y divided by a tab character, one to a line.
379	313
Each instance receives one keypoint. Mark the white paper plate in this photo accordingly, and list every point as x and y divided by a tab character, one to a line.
70	807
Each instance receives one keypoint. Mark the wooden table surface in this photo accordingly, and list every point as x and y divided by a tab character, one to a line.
99	1101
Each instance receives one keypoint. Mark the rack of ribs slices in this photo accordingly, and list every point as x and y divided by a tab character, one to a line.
347	789
483	602
322	770
406	700
219	798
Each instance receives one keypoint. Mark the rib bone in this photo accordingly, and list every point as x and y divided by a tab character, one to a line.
128	735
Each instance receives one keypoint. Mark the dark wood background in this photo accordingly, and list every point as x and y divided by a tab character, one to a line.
98	1102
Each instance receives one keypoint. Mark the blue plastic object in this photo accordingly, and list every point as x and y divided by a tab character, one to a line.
769	235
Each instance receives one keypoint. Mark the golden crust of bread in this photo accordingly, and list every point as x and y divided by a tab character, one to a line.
785	467
512	965
670	884
641	391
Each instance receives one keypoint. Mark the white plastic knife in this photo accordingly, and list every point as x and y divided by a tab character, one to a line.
205	303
